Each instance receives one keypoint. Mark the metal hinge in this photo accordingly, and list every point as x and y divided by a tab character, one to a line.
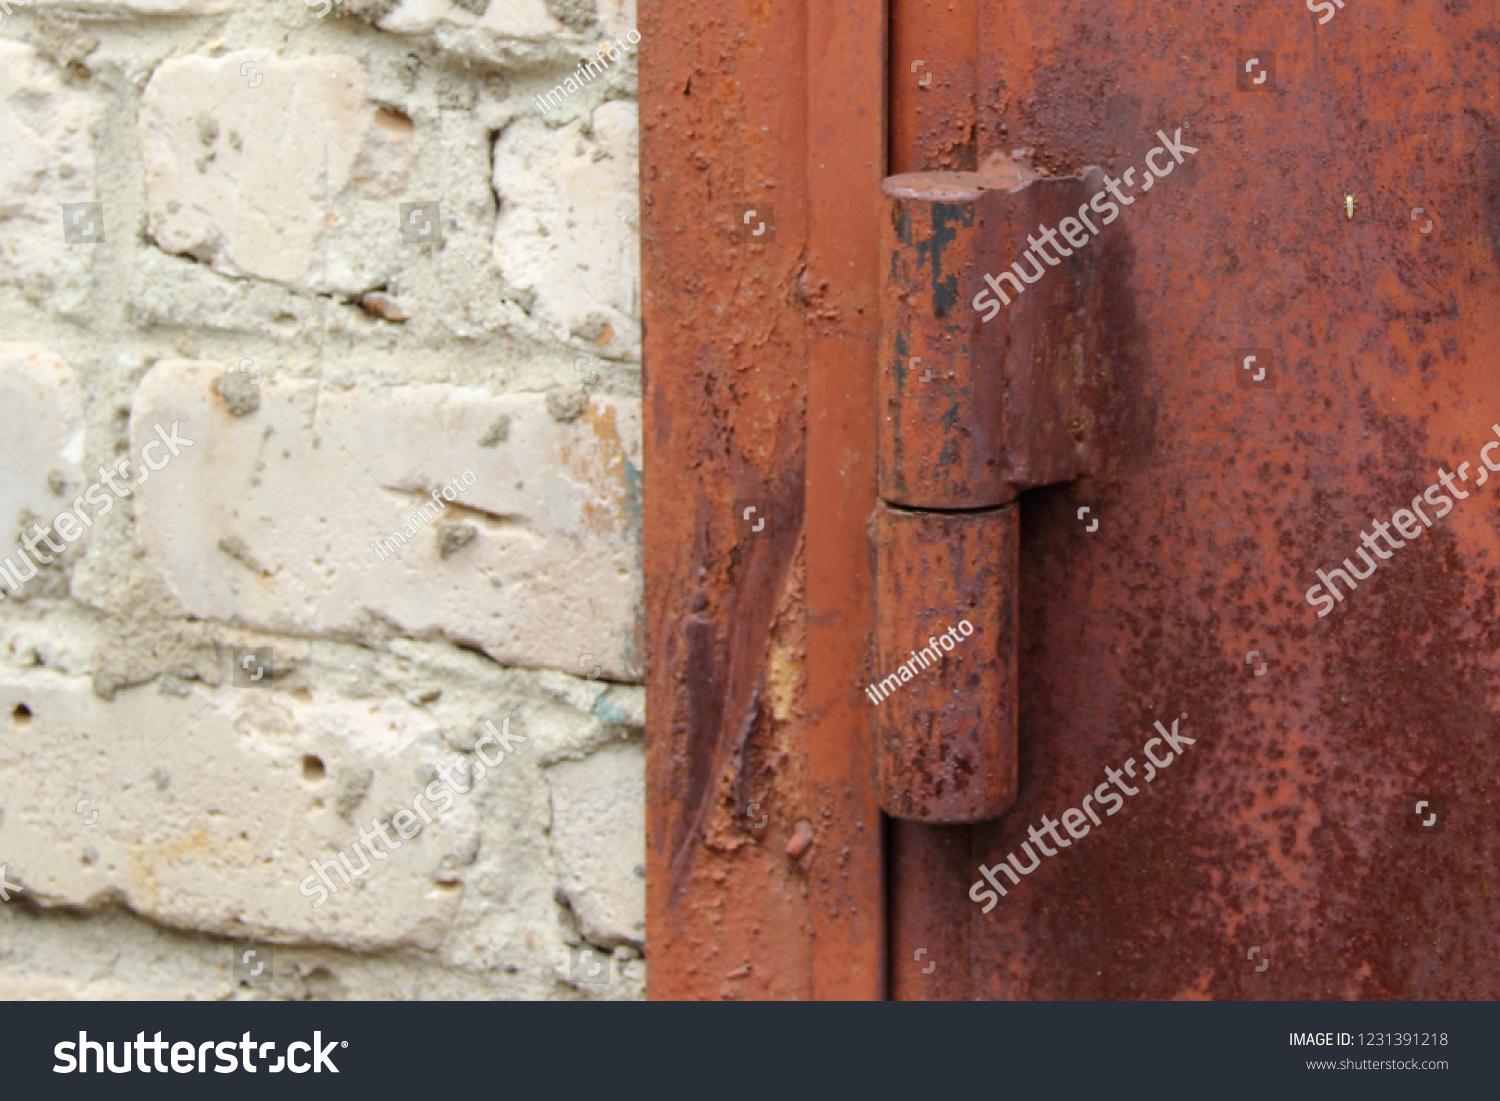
980	398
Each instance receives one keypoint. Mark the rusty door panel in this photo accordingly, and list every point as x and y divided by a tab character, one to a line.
1213	503
930	949
934	85
1287	824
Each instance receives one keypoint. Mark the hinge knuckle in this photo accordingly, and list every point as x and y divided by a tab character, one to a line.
981	366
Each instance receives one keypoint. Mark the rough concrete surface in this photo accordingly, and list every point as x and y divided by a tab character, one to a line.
271	279
599	839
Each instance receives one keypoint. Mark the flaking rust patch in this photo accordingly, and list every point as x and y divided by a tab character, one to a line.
784	673
725	830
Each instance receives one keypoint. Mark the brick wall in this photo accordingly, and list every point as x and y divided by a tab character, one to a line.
319	500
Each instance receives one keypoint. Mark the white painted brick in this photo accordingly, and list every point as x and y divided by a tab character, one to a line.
284	172
124	8
41	462
521	19
567	225
599	841
208	811
270	518
48	161
283	192
617	16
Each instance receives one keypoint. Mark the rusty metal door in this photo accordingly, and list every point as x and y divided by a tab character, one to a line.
1211	486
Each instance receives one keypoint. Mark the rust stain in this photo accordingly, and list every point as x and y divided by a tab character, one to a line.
600	461
786	670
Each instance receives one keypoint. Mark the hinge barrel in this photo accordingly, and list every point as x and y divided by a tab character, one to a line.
945	590
976	404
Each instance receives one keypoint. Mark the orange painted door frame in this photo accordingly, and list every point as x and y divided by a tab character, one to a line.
763	146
